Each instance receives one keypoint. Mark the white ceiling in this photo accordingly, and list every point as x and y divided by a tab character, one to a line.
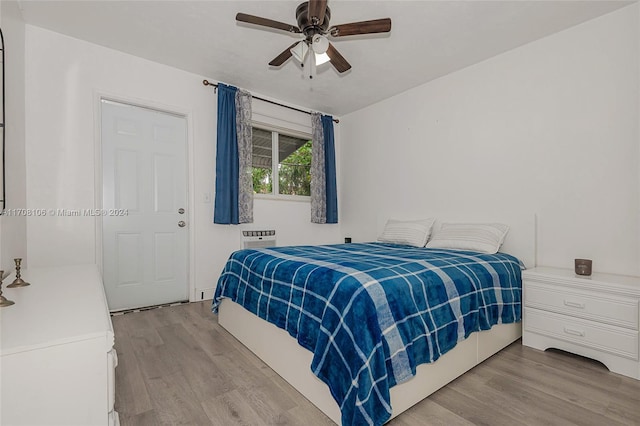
428	39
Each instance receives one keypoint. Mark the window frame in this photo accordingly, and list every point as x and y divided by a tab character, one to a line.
275	161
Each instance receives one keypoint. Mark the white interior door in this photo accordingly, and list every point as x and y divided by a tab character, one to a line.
144	229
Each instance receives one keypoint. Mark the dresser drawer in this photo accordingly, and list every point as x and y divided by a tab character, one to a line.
603	337
611	309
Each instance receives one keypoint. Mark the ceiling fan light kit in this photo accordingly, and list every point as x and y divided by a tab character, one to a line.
299	51
320	44
313	23
322	58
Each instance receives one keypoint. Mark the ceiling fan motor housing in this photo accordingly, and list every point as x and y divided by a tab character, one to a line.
308	28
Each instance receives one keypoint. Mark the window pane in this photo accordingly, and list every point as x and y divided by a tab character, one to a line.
262	154
294	169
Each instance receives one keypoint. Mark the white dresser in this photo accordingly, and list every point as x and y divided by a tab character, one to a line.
57	363
594	316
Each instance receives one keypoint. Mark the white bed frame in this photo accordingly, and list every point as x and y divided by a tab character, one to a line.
292	362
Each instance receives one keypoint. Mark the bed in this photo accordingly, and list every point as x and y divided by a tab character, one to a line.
366	318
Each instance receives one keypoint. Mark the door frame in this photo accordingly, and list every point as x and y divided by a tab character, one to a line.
98	97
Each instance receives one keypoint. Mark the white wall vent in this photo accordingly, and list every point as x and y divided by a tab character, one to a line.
258	239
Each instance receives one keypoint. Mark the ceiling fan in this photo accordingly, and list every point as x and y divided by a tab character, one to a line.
313	22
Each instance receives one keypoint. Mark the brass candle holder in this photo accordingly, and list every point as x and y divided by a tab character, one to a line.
3	300
18	282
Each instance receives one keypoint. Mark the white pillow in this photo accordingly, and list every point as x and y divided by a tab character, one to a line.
408	232
482	237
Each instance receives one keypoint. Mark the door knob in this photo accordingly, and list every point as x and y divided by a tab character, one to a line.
182	224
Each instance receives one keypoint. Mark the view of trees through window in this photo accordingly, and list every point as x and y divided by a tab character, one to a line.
262	180
293	174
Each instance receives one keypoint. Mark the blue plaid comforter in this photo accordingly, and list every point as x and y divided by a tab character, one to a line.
371	313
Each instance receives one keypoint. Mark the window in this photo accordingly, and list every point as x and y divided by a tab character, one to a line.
290	153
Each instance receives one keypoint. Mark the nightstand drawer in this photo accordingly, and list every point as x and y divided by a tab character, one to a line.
612	309
606	338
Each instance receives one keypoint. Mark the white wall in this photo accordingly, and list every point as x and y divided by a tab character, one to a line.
64	78
13	237
549	128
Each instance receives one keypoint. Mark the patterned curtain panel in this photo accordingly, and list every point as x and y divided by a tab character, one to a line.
245	162
324	195
318	181
232	204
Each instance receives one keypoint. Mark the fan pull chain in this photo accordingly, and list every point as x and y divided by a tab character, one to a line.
312	64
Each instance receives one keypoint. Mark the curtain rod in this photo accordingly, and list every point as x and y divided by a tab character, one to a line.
206	83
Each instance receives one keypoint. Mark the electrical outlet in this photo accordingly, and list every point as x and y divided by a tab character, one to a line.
204	294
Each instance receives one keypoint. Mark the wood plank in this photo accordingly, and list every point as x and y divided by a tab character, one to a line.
231	408
174	402
456	400
131	393
543	408
307	414
148	418
429	413
559	384
195	364
178	366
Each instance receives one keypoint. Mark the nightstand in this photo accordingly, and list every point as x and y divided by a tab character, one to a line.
596	316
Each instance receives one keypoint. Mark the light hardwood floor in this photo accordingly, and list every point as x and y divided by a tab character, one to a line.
178	366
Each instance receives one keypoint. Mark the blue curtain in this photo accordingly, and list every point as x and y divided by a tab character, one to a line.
330	169
227	165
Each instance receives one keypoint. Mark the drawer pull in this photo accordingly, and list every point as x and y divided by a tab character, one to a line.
574	304
574	332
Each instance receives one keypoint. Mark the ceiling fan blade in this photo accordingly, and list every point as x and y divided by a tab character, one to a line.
364	27
317	8
337	60
281	58
256	20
